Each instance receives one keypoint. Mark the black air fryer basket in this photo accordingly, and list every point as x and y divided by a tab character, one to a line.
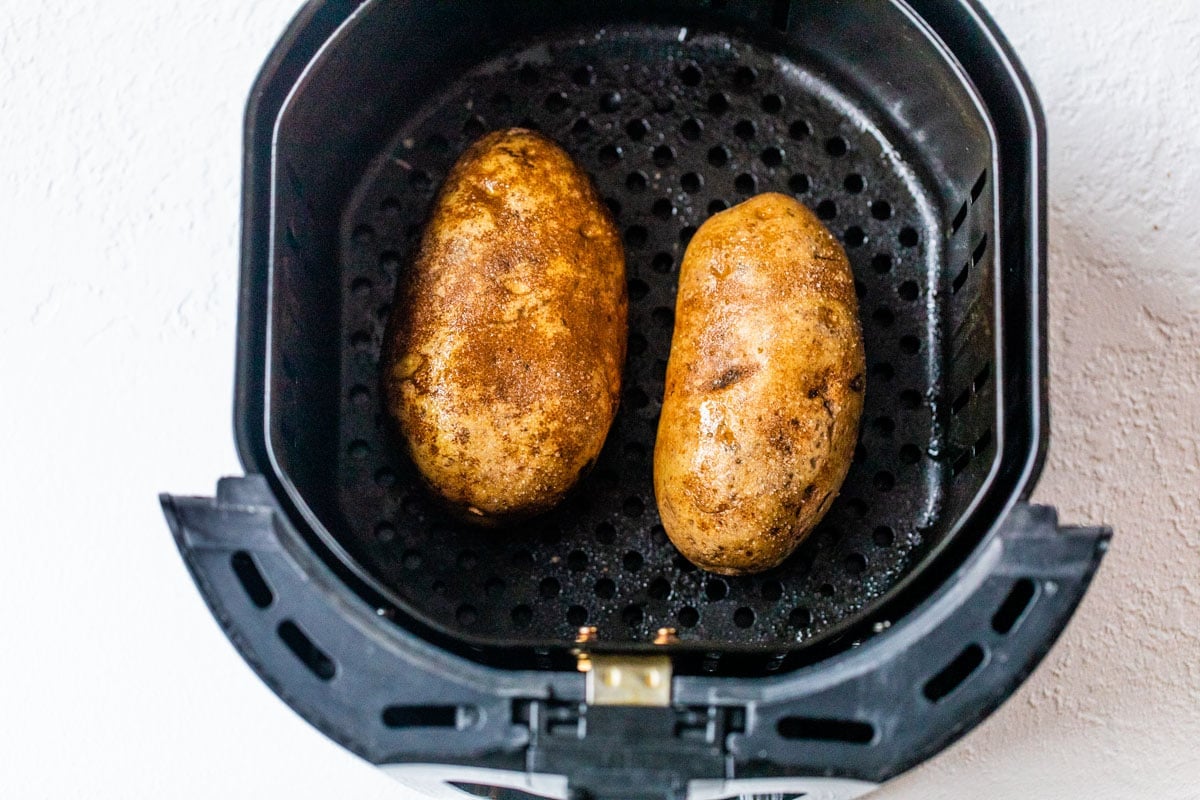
922	600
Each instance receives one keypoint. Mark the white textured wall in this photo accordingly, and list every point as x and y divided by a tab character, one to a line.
120	127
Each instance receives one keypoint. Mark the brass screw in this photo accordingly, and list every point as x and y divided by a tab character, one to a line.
665	636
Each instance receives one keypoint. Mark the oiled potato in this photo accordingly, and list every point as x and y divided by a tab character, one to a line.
504	353
764	387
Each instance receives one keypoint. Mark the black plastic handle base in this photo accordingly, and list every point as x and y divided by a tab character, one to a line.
868	713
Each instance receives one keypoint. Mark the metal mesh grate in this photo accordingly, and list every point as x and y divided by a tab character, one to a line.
671	131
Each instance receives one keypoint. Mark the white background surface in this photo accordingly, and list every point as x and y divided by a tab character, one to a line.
120	146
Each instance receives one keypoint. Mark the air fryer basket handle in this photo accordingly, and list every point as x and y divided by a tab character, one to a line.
867	714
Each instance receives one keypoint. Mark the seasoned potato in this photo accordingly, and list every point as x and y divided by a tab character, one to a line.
504	352
764	387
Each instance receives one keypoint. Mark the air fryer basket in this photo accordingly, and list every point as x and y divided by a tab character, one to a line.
910	130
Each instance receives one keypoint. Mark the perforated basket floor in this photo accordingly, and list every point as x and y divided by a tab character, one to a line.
668	140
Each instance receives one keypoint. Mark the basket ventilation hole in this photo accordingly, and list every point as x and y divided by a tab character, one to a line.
977	189
959	219
961	278
303	648
1013	607
483	790
954	673
826	730
688	617
980	249
424	716
251	579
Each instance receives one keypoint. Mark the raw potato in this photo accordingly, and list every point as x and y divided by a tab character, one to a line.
764	387
505	348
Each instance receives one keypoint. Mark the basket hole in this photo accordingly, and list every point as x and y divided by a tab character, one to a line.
691	75
884	481
614	205
390	206
908	237
860	289
605	588
493	586
718	156
961	401
522	616
882	263
688	617
633	506
881	210
718	103
606	533
826	210
411	559
636	182
691	129
424	716
582	126
610	102
383	311
717	206
772	157
961	278
632	615
883	536
910	454
251	579
502	101
980	249
385	478
908	291
819	729
977	189
826	590
883	317
743	617
556	102
577	561
632	561
691	182
663	156
744	77
772	590
745	183
636	129
1013	607
960	463
981	444
363	234
772	103
836	146
854	183
576	616
636	236
954	673
661	263
385	532
744	129
663	316
659	589
635	397
638	289
981	377
800	617
610	154
855	236
528	75
549	588
910	398
313	657
910	345
474	127
884	426
715	589
959	219
798	183
799	129
583	76
855	563
358	449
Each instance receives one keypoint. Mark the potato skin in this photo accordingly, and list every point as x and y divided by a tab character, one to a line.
502	366
764	387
